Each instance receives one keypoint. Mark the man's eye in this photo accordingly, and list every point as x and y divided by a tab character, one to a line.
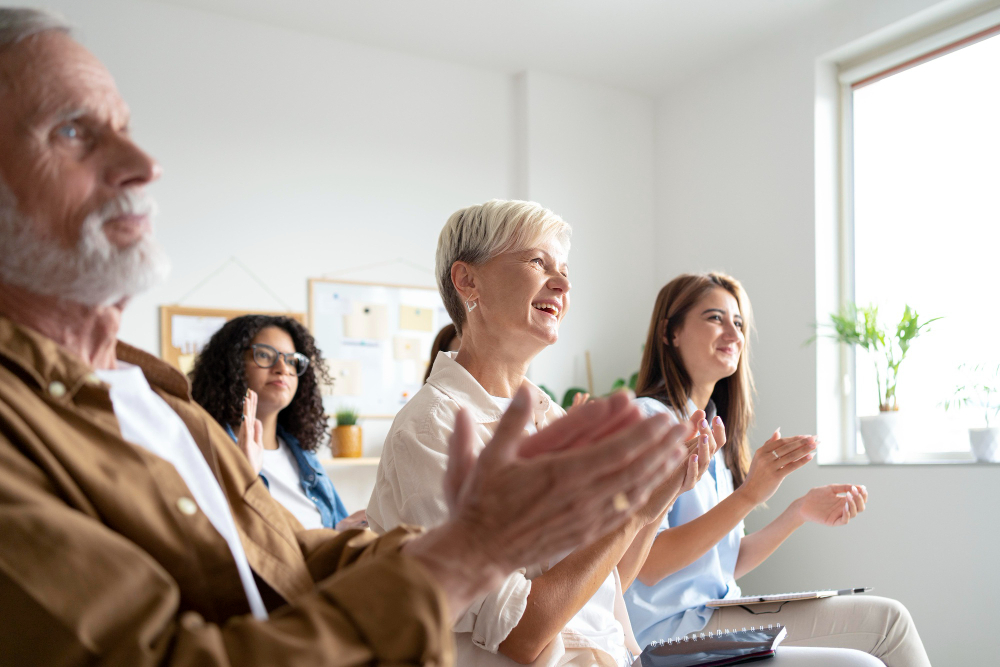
68	131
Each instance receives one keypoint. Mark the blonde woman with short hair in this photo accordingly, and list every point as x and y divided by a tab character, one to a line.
503	272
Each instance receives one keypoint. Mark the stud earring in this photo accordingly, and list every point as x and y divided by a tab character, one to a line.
471	305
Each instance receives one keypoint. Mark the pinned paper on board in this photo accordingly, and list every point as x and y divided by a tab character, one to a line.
377	338
367	320
335	304
190	333
405	348
416	318
346	374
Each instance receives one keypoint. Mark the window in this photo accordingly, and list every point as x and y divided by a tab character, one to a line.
921	224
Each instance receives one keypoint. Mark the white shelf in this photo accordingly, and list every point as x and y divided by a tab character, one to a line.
343	461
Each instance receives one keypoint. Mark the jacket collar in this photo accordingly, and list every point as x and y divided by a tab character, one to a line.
452	380
47	364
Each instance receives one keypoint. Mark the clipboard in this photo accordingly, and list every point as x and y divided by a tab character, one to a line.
783	597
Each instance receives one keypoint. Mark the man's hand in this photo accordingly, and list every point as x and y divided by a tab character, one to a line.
528	499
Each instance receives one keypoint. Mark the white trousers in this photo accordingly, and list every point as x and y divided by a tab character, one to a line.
877	626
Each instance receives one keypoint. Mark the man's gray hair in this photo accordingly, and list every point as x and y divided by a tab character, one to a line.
17	24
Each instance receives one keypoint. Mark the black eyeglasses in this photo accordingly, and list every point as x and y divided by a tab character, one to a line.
266	356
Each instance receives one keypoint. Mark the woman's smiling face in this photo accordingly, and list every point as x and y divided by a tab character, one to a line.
524	293
710	339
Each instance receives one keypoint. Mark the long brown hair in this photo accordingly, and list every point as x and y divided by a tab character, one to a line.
441	343
662	374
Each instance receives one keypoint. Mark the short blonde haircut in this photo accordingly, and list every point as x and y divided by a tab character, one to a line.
477	234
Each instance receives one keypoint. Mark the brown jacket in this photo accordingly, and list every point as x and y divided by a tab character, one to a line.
101	564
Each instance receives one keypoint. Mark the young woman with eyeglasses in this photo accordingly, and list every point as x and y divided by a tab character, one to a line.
259	377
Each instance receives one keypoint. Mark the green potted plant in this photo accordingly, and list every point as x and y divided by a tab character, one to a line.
345	441
887	347
981	391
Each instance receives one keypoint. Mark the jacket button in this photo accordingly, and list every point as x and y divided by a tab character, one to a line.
57	389
187	506
311	478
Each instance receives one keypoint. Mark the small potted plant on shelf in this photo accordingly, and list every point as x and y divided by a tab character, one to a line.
981	392
346	436
887	347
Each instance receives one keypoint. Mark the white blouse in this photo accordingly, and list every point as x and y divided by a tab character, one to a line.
409	489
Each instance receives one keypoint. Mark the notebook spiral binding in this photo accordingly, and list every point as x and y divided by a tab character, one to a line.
694	637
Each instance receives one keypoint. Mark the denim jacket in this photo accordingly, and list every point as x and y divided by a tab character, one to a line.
315	483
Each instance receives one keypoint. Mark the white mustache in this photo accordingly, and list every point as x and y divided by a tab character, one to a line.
131	202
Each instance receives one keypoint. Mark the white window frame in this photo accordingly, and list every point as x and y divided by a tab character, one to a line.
923	37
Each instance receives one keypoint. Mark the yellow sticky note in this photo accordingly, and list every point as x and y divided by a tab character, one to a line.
405	348
346	374
367	320
416	318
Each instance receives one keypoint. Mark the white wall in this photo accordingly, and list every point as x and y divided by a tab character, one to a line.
590	158
735	192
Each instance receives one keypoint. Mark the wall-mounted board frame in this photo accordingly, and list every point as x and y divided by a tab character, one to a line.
185	330
376	339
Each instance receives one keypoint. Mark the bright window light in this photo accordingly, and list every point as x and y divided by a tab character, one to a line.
927	230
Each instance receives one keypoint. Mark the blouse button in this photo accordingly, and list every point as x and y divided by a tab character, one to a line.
92	379
57	389
187	506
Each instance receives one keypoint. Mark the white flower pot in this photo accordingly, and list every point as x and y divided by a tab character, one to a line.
985	444
881	433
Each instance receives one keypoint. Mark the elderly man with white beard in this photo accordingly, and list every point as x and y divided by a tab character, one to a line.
133	531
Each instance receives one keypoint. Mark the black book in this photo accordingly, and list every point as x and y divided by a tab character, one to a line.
726	647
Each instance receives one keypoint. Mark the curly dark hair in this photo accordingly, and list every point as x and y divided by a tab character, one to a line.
219	382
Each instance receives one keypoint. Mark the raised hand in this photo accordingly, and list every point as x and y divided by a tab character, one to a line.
250	438
701	448
773	461
834	504
527	499
579	399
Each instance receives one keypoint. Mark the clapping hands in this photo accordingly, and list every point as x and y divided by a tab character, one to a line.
833	504
525	499
775	460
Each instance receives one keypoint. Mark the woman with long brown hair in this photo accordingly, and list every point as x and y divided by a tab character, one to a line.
696	366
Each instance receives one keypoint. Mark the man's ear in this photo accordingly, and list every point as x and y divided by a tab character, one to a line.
464	279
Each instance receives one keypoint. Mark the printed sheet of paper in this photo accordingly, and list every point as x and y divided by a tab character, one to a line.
416	318
334	304
367	320
190	333
405	348
346	374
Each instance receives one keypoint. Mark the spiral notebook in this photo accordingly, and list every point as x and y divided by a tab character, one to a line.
726	647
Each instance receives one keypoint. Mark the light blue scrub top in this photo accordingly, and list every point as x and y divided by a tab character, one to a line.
676	605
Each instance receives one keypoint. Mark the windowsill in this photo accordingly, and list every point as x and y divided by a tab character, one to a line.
957	461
